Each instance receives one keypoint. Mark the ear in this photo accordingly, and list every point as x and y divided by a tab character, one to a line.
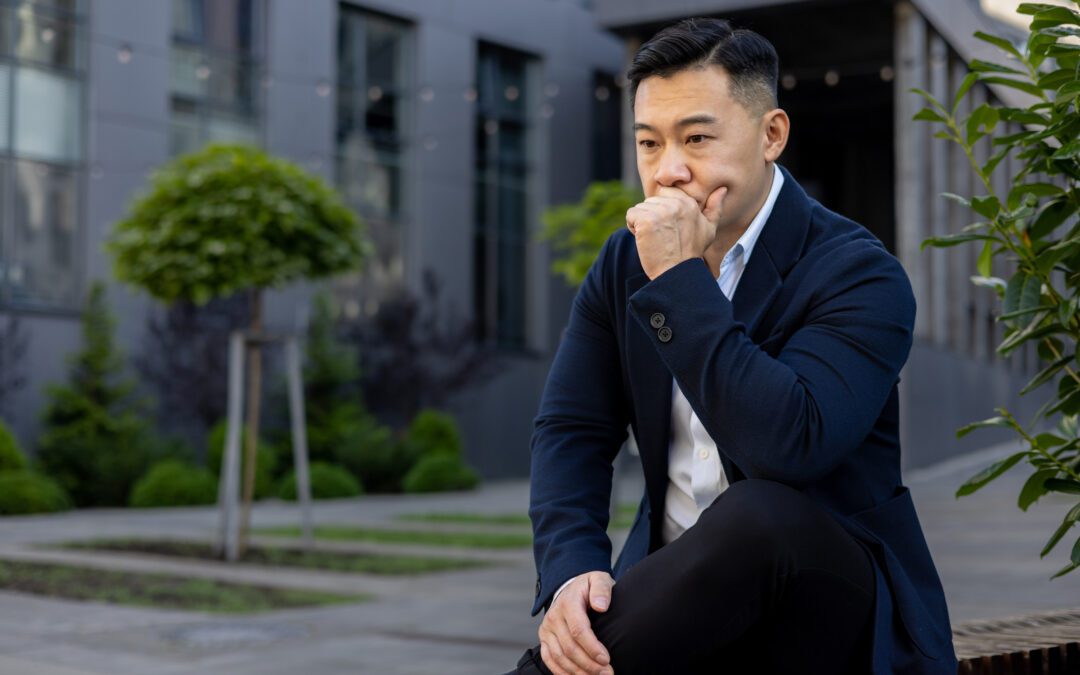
775	125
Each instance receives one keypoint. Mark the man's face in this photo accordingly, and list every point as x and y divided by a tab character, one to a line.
691	134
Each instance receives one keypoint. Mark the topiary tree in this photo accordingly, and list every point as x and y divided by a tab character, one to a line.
578	231
1034	225
231	218
436	473
435	433
94	441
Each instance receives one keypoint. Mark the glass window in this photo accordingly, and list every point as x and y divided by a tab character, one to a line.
46	39
370	134
5	105
502	196
46	218
47	115
215	67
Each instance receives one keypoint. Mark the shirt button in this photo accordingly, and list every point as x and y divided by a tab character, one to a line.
657	320
703	453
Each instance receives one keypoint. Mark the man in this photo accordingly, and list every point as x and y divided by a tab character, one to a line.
752	340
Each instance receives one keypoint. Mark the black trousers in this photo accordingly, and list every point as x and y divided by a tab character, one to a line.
765	582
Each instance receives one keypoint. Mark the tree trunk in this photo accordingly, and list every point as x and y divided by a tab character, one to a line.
251	432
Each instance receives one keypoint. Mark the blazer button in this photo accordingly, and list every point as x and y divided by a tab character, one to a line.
657	320
664	334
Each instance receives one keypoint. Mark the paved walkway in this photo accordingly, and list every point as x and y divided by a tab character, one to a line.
465	622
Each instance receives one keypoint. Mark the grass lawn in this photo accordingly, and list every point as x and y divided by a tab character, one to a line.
469	518
338	561
624	518
459	539
164	591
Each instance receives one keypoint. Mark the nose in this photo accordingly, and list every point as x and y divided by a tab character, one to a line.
672	170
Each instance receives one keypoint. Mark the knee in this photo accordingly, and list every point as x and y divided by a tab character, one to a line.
754	510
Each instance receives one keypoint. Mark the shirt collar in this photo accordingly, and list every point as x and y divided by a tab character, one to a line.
745	245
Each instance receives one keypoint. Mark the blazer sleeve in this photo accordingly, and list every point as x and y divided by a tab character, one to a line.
795	417
579	429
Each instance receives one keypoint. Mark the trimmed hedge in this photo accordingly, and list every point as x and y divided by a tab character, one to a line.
11	457
23	492
435	433
174	483
327	482
436	473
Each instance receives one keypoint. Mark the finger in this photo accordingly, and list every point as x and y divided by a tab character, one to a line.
677	194
600	591
714	205
585	639
553	658
575	632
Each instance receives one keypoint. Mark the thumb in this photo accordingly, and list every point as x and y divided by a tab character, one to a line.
714	205
600	591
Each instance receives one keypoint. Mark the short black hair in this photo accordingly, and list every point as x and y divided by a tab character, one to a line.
749	59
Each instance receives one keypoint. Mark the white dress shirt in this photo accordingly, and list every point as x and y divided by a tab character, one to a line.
695	474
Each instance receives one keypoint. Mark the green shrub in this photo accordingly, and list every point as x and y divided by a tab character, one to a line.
371	453
23	492
94	439
265	459
11	457
327	482
435	433
174	483
436	473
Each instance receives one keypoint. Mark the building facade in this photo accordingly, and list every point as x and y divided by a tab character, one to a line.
448	127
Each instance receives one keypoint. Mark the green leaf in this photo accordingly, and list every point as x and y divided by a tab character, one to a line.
987	206
999	42
991	164
1067	151
1036	189
995	283
929	99
930	115
1011	302
980	66
965	85
954	239
985	259
1052	215
984	116
1046	374
989	473
1067	485
1034	488
1070	520
1031	296
1022	85
1053	16
1067	310
1033	7
1046	441
1075	557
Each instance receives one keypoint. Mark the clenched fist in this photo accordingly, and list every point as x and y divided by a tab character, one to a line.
671	227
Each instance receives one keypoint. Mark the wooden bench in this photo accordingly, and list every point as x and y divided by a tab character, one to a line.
1046	643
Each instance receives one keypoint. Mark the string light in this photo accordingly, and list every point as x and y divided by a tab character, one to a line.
375	93
886	73
511	93
832	78
551	89
427	94
470	94
123	55
788	81
602	93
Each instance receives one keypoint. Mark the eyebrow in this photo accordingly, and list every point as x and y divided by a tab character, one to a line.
685	122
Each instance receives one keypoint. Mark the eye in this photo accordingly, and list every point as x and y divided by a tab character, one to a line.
647	143
697	138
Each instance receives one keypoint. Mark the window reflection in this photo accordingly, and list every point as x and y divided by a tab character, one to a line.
46	217
215	64
502	195
372	85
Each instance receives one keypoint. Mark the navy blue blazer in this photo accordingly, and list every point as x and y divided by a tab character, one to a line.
795	379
